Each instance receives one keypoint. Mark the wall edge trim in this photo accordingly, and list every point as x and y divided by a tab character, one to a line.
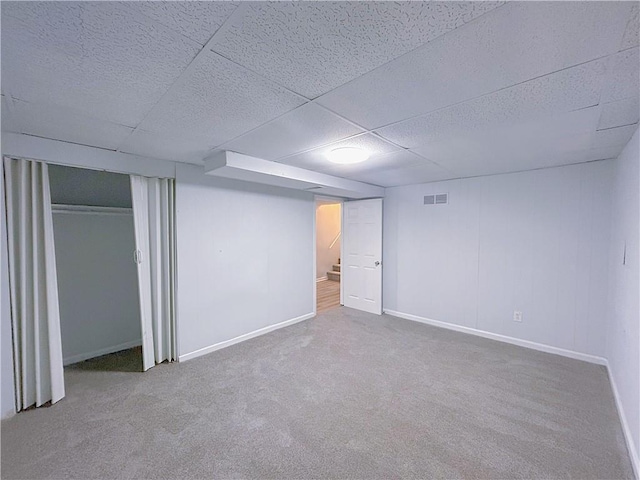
626	430
103	351
501	338
242	338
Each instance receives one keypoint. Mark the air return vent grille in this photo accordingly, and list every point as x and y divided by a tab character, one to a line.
436	199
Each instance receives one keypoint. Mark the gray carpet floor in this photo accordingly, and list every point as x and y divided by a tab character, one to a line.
345	395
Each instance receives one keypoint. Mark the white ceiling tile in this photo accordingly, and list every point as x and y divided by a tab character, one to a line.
613	137
509	45
511	148
177	148
96	57
593	154
571	89
624	77
409	175
622	112
8	123
313	47
392	160
304	128
196	20
317	159
60	123
632	33
219	100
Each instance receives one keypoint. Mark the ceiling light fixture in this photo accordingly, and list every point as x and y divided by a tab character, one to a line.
347	155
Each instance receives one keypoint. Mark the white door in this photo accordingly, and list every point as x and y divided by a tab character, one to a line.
140	201
362	255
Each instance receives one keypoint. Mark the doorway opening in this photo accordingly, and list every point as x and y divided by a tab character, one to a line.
97	279
328	261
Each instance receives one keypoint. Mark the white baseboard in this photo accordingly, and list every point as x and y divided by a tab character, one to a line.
501	338
322	279
633	452
103	351
242	338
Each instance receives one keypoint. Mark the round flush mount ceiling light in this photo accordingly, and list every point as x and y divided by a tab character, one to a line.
347	155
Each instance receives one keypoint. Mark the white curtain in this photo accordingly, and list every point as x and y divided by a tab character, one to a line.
154	221
35	316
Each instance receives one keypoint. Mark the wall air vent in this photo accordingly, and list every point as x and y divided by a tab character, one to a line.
436	199
442	198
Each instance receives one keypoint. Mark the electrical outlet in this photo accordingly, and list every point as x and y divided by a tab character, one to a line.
517	316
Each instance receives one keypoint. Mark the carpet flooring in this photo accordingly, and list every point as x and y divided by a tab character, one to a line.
344	395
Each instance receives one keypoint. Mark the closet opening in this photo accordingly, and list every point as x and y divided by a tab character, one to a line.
94	240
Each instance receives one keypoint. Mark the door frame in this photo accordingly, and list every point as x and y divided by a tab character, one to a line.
332	200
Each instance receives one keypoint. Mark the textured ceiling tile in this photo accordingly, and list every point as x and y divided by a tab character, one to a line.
632	33
590	155
313	47
8	123
393	160
510	148
59	123
304	128
571	89
317	159
219	100
410	175
613	137
96	57
622	112
177	148
196	20
512	44
624	79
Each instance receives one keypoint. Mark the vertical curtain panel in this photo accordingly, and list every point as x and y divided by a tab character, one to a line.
35	315
154	222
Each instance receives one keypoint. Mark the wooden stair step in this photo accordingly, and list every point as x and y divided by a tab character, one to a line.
333	276
336	267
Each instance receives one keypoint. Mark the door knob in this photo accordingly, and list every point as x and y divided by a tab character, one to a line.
377	263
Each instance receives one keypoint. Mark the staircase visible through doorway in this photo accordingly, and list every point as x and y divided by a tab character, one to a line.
334	274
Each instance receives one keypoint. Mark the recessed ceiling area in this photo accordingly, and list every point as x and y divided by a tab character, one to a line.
429	90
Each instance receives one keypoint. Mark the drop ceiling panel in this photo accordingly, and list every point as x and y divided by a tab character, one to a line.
511	44
195	20
613	137
624	78
177	148
571	89
313	47
316	159
393	160
506	149
622	112
304	128
632	33
96	57
422	173
219	100
8	123
59	123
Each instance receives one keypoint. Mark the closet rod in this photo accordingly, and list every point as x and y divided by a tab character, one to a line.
86	209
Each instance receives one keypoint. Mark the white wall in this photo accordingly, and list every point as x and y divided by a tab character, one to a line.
327	228
245	258
535	241
623	326
7	397
97	284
